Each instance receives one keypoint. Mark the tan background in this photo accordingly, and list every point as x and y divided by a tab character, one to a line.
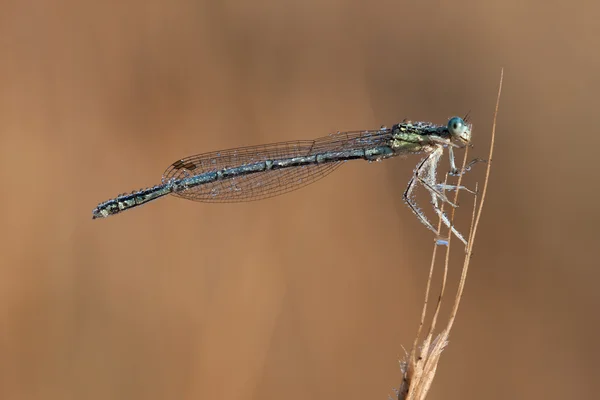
312	294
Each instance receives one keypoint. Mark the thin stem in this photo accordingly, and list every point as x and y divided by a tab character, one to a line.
463	277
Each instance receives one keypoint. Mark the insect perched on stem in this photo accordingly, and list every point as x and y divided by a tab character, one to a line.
258	172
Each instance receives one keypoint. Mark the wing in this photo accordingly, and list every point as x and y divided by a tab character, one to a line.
269	183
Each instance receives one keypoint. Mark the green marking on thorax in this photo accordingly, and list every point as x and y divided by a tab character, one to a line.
409	138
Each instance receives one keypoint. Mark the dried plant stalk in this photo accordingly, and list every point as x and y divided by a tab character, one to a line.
419	368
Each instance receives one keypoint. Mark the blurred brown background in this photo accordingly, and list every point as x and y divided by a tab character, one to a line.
311	294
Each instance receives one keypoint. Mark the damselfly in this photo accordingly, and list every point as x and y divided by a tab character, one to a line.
259	172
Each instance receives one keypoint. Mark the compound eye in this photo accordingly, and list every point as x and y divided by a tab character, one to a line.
458	128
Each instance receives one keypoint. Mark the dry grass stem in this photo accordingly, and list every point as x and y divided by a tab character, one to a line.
419	368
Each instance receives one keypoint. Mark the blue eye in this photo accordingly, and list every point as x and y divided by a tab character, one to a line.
459	129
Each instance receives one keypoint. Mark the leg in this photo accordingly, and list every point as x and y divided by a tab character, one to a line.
455	171
429	181
437	190
425	173
441	187
445	220
407	196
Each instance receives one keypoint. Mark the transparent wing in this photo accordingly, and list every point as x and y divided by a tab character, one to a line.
264	184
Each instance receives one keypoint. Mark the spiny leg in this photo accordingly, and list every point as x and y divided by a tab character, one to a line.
426	173
430	181
428	168
445	219
458	172
412	184
434	190
407	197
441	187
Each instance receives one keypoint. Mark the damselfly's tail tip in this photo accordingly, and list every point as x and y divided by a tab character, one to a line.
99	212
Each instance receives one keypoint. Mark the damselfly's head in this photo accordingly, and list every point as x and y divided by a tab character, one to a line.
459	129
